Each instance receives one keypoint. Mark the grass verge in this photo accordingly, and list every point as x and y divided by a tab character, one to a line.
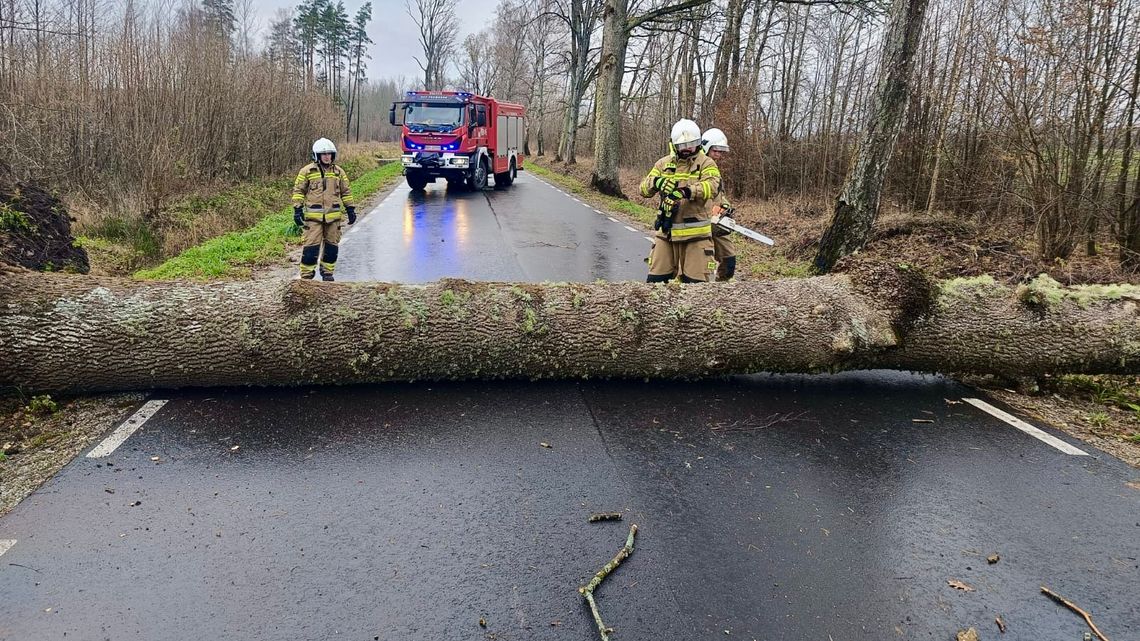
235	254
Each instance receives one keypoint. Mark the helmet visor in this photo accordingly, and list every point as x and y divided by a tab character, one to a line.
684	148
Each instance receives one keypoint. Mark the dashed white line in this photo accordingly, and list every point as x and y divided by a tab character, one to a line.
1026	427
600	212
649	238
612	219
631	229
124	431
5	545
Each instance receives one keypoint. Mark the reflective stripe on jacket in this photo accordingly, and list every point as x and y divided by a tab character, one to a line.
322	192
699	173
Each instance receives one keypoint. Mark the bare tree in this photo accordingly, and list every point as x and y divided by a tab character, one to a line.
858	202
618	25
439	30
477	68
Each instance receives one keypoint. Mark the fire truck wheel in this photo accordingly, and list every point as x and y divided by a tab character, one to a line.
477	180
417	182
507	177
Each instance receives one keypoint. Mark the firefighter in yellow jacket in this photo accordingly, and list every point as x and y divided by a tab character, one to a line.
687	180
321	199
716	147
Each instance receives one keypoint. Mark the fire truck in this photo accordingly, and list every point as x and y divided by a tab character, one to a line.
460	137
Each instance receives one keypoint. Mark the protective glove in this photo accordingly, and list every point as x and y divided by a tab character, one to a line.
673	198
686	193
351	214
664	222
727	210
665	184
299	216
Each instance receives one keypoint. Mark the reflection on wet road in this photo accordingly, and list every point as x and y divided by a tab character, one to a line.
528	232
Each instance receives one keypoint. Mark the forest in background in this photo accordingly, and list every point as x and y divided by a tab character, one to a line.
1021	112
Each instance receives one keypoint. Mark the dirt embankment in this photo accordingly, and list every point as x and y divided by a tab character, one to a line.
35	229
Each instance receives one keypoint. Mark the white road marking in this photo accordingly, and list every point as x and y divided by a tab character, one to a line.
1026	427
649	238
600	212
612	219
5	545
124	431
631	229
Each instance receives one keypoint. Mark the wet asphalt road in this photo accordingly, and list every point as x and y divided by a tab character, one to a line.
530	232
770	507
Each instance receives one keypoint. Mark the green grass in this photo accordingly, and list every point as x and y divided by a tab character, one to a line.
268	241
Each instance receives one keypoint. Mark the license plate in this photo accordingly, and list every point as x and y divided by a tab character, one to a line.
432	147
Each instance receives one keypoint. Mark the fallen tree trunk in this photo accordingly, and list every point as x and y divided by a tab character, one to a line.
77	333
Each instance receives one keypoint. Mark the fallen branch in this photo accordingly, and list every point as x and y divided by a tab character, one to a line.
1069	604
588	589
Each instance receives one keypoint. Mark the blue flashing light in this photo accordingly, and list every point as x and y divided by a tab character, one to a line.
415	146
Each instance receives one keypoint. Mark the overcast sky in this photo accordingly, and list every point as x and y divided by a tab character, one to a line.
394	35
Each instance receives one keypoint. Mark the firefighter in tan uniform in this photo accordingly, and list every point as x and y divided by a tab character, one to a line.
321	198
716	147
687	180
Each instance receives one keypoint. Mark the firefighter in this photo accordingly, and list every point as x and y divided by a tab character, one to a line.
716	147
687	180
321	197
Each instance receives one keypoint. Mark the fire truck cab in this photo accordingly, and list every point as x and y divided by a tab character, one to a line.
460	137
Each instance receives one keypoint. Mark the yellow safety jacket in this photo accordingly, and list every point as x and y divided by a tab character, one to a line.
700	174
322	191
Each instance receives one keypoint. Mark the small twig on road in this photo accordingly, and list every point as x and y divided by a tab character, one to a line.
1065	602
754	424
588	590
26	567
605	516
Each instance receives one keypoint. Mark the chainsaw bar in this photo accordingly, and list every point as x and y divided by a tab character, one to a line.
728	223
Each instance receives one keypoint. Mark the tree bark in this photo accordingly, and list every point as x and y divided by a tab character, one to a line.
78	333
607	102
858	202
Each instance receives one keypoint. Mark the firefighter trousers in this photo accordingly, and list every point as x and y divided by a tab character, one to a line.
691	261
320	236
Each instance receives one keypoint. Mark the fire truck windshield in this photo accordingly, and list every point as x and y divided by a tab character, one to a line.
433	116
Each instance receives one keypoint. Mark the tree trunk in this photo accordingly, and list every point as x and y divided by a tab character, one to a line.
607	101
79	333
858	202
1128	215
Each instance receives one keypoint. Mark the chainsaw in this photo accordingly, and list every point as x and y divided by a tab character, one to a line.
726	221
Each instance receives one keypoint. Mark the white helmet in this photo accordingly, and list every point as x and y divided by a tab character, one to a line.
686	137
714	139
323	146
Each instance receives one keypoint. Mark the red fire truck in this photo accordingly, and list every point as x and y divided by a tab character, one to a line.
460	137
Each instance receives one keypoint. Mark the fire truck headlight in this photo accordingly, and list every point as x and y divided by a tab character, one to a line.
407	160
459	162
